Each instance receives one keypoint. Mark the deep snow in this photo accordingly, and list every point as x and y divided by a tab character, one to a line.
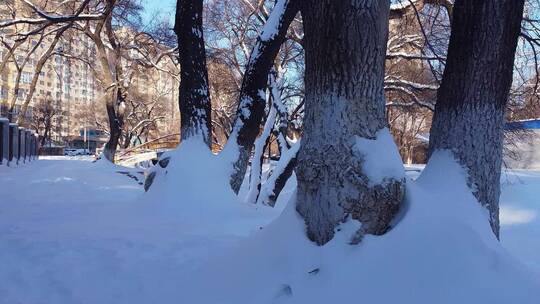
442	251
76	232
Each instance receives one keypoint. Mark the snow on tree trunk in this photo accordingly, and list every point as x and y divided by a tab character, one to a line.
348	165
256	164
283	115
194	97
287	162
469	114
280	175
250	112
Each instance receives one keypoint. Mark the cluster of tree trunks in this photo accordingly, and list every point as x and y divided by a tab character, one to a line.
345	45
252	100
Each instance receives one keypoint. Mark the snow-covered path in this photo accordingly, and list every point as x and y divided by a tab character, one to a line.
76	232
62	179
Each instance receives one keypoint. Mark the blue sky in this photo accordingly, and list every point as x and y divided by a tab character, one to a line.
162	7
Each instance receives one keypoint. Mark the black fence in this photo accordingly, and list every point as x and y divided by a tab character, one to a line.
17	145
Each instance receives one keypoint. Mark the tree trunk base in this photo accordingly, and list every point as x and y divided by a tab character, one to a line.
333	189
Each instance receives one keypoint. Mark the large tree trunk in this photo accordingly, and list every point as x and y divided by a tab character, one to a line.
115	112
46	133
113	96
345	44
194	95
195	107
250	112
469	114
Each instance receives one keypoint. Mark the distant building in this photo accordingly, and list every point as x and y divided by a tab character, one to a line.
68	83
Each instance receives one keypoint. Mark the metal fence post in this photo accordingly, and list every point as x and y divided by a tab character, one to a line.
4	141
14	143
22	145
28	143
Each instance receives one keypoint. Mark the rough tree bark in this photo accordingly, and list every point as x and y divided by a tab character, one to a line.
469	114
194	98
250	112
115	106
345	45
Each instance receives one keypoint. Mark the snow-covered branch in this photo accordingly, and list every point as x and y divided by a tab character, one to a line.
410	56
46	19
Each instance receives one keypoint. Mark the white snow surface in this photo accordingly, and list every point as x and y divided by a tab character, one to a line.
520	215
381	157
442	251
72	231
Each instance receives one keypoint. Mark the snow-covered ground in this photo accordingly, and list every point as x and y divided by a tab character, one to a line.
519	213
520	216
73	231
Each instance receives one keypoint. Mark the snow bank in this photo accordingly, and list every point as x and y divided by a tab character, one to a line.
442	251
194	189
79	232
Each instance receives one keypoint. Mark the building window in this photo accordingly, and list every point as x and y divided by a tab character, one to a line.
26	77
21	93
3	93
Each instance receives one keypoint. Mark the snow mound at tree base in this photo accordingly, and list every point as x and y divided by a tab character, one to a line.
441	251
194	190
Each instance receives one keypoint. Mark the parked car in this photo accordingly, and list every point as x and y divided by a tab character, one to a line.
76	152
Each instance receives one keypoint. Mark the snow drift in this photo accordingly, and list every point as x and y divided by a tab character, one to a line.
79	232
195	189
441	251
